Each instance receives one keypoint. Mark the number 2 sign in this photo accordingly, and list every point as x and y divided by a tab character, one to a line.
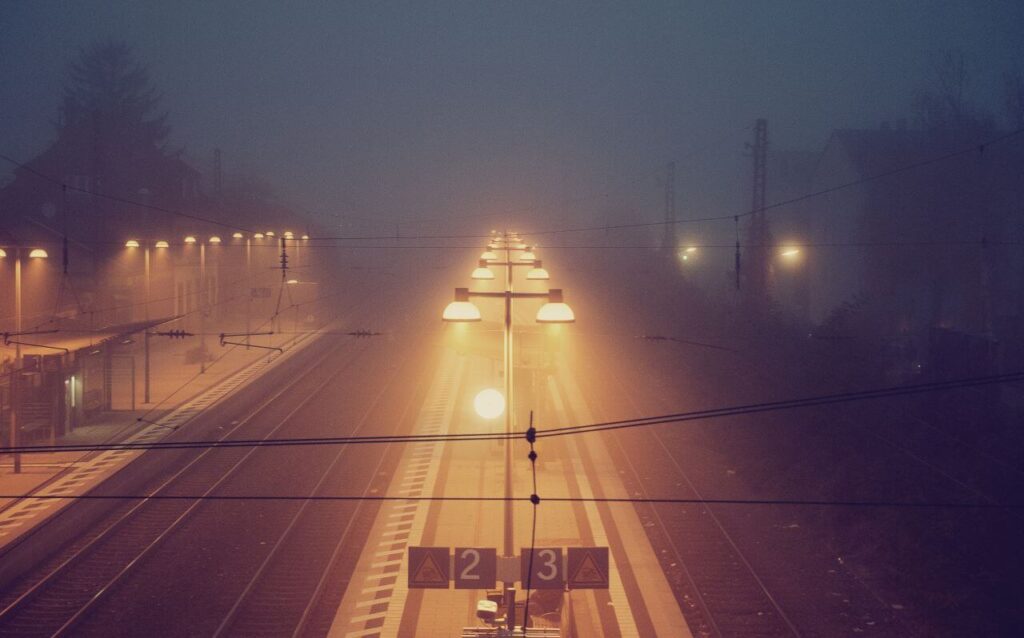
475	567
548	569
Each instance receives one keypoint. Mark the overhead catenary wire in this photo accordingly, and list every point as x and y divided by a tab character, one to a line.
790	502
679	417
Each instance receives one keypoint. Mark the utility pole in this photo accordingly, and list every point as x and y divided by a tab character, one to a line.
248	283
668	241
202	307
759	236
145	337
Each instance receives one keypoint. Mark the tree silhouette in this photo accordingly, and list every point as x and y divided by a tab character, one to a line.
109	94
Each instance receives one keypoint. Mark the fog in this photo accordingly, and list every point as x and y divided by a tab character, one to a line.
422	110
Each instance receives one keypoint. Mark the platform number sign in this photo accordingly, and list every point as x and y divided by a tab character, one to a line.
475	567
547	570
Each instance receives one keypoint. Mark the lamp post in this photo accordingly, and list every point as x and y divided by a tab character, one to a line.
35	253
132	244
463	310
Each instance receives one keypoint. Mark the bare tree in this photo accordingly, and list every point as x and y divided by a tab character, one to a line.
946	102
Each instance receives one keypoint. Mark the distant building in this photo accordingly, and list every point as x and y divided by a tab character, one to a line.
932	247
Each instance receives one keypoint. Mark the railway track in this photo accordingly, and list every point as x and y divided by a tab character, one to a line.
292	593
53	604
77	591
717	587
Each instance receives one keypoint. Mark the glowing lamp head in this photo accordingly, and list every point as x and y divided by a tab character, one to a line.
305	236
482	271
538	272
462	309
528	256
236	235
489	403
288	234
791	253
131	243
270	233
555	310
258	236
190	240
3	253
161	244
488	256
292	281
38	253
215	240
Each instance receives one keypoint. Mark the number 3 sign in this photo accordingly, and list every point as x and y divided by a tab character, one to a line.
548	568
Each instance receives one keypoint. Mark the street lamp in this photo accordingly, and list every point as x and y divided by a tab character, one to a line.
538	272
463	310
488	255
555	310
35	253
482	271
134	243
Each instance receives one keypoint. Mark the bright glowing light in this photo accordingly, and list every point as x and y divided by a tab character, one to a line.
292	281
162	244
527	256
691	249
236	235
190	240
3	253
482	273
489	256
270	233
790	253
38	253
215	240
461	311
289	235
555	312
258	236
489	403
538	273
131	243
305	236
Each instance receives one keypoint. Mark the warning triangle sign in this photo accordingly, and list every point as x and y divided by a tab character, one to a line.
588	573
429	573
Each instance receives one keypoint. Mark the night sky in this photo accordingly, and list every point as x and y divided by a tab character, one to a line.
419	110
